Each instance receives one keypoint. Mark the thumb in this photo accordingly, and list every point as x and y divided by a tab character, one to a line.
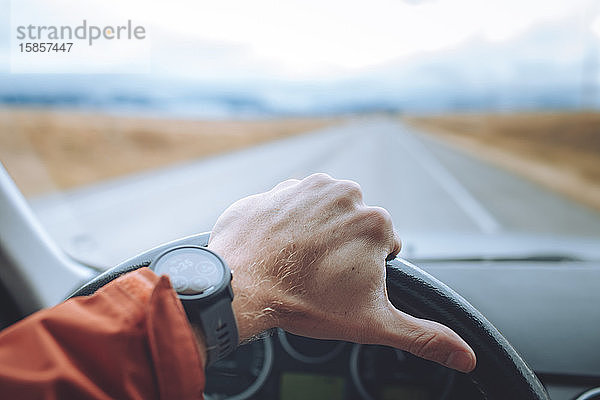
423	338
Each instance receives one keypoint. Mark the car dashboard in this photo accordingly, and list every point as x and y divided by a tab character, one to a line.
284	366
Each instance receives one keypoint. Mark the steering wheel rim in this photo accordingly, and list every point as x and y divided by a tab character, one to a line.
501	373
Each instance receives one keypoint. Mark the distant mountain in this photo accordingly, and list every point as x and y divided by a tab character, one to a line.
540	69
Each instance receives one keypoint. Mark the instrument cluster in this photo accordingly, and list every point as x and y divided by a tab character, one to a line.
286	366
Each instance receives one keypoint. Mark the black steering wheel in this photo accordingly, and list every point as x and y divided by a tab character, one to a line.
500	374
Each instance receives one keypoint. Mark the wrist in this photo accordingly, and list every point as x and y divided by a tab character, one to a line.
253	311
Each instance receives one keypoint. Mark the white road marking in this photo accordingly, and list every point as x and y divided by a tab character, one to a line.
473	208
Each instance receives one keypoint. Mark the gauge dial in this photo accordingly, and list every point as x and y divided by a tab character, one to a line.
380	372
241	374
311	351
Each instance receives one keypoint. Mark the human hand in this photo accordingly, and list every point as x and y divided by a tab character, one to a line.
309	256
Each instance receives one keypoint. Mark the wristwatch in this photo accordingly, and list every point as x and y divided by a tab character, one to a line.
202	281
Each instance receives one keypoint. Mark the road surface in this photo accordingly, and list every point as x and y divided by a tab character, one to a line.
428	187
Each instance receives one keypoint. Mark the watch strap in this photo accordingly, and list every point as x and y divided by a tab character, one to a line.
218	325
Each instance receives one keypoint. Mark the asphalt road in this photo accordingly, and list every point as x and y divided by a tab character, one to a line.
427	186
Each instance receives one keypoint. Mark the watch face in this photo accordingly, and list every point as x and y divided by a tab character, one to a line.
192	270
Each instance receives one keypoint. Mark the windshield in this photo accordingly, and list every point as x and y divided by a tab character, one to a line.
475	124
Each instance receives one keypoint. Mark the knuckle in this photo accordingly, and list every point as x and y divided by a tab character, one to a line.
426	344
348	190
379	218
319	177
344	202
376	223
353	189
284	184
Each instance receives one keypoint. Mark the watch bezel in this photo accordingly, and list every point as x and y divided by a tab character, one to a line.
219	288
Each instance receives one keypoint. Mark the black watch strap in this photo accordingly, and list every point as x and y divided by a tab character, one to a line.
218	325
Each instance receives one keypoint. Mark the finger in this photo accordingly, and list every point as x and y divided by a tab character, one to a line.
378	226
396	247
426	339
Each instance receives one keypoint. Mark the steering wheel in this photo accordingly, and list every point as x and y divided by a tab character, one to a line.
500	374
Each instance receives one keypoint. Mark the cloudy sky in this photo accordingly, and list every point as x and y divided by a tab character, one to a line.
315	39
333	40
321	39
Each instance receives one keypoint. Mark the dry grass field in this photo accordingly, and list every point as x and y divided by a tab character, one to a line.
558	150
48	150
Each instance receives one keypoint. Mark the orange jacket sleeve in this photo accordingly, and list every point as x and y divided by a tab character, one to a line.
130	340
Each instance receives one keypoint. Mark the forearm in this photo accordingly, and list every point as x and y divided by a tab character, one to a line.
129	340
